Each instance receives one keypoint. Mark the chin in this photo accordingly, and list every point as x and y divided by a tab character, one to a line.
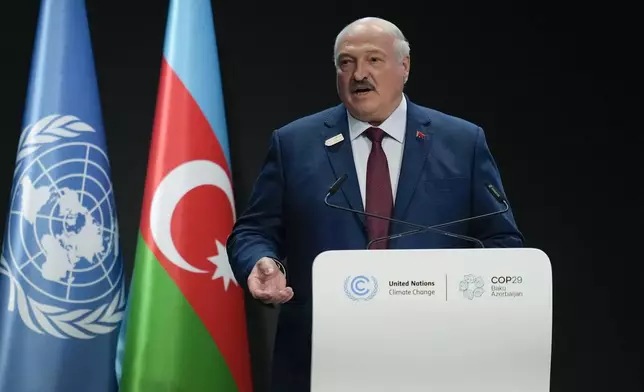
366	111
365	104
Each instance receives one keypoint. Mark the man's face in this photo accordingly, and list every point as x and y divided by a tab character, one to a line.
370	76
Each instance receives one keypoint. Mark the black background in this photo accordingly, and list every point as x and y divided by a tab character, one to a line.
556	87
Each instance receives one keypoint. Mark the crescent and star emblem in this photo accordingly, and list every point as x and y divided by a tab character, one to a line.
169	193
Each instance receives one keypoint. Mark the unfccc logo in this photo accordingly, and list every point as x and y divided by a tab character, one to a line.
360	287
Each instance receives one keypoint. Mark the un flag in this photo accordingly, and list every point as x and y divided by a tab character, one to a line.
61	274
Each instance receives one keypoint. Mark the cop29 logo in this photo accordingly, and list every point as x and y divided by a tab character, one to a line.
360	287
472	286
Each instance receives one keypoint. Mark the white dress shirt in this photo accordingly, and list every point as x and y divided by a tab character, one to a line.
393	142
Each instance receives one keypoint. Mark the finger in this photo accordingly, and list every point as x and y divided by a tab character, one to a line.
275	283
281	296
284	295
287	295
264	283
266	295
263	295
254	288
257	287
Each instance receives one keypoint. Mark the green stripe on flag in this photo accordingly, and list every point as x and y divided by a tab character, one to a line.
167	346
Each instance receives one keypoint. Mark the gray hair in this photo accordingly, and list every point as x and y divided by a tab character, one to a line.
401	45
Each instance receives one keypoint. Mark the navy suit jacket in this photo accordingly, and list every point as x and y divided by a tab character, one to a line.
442	178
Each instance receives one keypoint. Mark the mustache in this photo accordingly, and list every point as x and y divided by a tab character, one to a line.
362	85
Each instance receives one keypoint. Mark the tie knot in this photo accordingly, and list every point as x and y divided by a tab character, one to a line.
375	134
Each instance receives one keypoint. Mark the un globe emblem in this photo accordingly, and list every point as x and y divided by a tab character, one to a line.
61	250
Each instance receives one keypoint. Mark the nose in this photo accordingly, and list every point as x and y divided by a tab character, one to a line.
360	72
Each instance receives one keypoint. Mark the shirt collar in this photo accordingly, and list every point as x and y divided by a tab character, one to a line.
394	125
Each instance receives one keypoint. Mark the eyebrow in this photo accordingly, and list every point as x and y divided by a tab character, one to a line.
368	52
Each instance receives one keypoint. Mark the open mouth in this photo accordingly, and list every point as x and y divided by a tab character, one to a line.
362	91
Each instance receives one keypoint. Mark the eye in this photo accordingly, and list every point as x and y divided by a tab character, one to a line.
374	59
344	63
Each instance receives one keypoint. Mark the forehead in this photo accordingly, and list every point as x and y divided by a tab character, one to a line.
362	39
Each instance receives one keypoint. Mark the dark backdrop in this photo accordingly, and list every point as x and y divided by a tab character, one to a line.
554	86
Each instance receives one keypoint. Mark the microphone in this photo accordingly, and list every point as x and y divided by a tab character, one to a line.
491	188
420	228
335	187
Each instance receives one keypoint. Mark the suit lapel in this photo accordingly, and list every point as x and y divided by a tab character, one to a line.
341	158
418	141
415	153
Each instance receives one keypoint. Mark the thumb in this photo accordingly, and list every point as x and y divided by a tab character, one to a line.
266	267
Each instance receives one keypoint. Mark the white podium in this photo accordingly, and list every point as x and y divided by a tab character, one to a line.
453	320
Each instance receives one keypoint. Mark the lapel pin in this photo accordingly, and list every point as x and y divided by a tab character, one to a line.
420	135
334	140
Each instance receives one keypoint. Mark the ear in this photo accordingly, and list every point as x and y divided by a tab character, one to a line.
406	63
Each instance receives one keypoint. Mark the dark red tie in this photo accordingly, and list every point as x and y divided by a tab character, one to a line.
379	196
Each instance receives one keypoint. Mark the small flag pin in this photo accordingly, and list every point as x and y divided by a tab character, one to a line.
420	135
334	140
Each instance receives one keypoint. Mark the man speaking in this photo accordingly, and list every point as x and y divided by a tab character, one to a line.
401	161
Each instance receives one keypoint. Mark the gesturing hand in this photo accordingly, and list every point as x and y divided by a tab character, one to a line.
267	283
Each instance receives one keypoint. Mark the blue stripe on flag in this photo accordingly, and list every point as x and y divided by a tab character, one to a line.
191	51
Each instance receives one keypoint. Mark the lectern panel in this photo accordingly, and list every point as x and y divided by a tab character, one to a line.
432	320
